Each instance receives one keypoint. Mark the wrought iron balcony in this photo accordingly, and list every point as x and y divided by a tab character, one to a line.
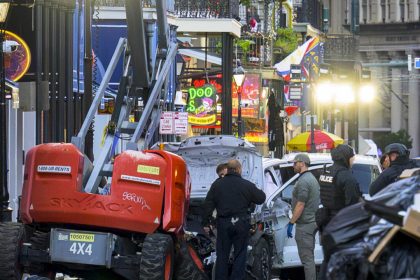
340	47
189	8
253	50
207	8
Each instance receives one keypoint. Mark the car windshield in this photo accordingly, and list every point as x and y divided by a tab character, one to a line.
363	175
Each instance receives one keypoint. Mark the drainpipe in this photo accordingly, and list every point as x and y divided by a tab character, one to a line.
53	70
46	67
87	71
69	71
38	71
61	114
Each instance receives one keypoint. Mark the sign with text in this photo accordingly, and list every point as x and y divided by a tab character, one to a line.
250	97
201	105
181	123
166	123
417	63
173	123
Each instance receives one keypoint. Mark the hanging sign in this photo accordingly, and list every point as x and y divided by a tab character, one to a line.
201	105
166	123
180	123
173	123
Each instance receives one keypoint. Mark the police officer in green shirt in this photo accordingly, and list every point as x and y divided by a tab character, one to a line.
305	202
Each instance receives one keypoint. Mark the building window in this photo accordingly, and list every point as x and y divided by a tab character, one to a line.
389	10
347	12
408	9
383	14
370	19
364	11
418	8
402	10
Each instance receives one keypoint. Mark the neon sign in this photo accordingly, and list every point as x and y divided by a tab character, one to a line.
202	105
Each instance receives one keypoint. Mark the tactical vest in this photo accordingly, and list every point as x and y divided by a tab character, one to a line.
332	196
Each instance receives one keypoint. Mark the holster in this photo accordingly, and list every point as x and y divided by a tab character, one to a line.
322	217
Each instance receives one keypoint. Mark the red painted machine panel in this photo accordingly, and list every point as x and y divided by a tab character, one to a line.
143	184
49	168
139	179
176	193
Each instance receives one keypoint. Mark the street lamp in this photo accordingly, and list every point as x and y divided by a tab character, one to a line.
239	77
328	92
180	65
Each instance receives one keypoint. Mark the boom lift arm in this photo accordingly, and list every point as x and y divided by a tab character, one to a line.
136	81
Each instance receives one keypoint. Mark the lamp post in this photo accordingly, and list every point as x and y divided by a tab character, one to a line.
366	94
345	93
5	214
239	77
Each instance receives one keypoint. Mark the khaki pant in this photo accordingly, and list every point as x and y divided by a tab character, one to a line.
305	240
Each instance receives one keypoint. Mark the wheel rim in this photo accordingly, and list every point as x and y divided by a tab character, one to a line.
195	258
168	265
265	264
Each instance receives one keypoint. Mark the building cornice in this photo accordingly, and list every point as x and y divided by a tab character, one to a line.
389	37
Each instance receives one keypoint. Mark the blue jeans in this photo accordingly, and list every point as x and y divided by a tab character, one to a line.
229	234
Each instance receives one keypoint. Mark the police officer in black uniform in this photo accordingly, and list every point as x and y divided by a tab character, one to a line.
232	197
338	189
399	157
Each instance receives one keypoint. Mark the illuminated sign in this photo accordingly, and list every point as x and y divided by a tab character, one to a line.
201	105
250	97
17	56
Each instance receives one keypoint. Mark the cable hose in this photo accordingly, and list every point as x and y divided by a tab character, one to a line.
96	44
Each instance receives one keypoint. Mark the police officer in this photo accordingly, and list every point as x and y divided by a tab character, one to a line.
305	202
399	160
338	189
221	171
231	196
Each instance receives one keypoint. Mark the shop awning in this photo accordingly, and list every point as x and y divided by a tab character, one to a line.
201	56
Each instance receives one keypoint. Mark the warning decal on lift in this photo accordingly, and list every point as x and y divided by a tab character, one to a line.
148	169
140	179
54	169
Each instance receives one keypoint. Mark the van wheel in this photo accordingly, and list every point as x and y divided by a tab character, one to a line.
157	257
261	267
189	265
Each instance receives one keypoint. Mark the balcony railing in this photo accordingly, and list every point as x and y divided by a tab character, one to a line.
254	50
207	8
340	47
189	8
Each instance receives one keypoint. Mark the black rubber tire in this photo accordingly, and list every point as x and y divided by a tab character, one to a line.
154	257
11	238
261	267
40	241
186	268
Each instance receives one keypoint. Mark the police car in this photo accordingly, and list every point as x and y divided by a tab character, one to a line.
276	212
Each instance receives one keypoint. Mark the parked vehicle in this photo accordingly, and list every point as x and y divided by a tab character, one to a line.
269	246
278	205
202	155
